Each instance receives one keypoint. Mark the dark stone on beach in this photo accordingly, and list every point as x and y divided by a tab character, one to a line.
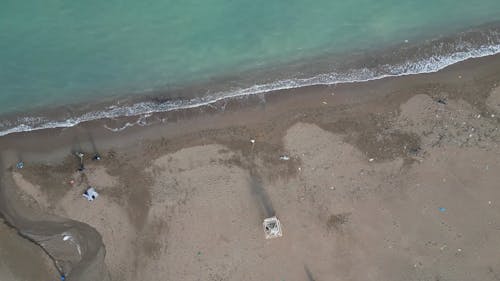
442	101
414	150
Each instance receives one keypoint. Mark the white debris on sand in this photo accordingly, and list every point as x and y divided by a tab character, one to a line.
90	194
272	228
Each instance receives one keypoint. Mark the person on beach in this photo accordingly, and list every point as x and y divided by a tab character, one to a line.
80	156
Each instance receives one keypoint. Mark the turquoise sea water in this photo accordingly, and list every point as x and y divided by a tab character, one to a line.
57	52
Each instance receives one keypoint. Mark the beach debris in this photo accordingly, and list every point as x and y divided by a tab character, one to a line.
96	157
253	143
442	209
324	102
415	150
63	277
442	101
406	41
20	165
371	160
70	239
272	228
90	194
284	157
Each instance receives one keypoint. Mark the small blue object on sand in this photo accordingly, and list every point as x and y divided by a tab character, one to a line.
20	165
63	277
442	209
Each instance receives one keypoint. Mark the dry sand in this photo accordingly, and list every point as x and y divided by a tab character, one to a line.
401	187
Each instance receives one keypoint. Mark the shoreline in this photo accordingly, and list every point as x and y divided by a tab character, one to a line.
359	112
457	49
242	109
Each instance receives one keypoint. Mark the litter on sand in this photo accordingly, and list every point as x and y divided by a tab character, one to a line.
20	165
90	194
442	209
253	143
272	228
442	101
284	157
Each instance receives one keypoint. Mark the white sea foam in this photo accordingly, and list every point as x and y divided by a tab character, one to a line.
427	65
141	121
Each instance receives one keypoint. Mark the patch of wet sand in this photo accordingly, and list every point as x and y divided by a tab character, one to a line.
81	256
16	252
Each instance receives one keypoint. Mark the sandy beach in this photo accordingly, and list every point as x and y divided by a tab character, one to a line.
394	179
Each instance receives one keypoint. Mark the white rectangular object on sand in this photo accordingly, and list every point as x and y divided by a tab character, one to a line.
272	227
90	194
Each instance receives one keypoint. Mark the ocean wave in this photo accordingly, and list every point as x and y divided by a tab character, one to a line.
442	55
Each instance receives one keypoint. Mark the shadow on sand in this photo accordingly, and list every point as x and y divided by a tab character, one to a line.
259	193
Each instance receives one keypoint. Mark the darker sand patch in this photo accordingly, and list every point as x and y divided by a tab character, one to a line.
152	248
376	138
261	196
132	189
150	236
267	148
53	180
336	221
